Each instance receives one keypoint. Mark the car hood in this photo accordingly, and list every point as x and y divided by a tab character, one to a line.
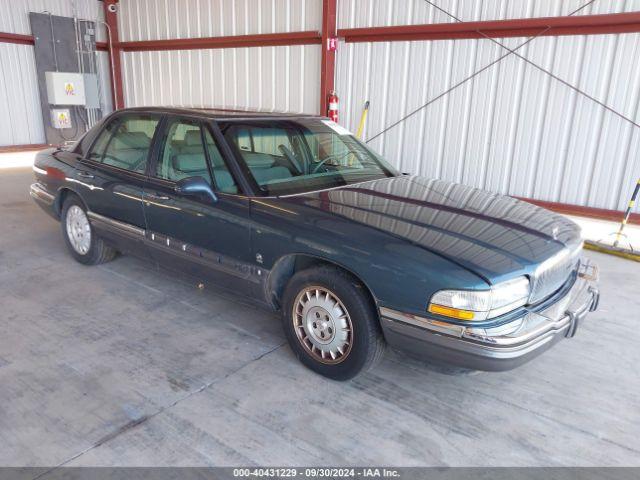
493	235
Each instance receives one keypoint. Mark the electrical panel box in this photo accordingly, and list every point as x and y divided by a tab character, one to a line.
91	92
65	88
60	118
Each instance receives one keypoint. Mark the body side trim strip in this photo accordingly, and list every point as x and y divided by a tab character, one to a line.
116	224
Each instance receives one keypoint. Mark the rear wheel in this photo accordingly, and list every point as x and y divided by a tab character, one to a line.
331	323
82	241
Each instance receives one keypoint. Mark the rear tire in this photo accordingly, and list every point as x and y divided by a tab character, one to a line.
79	235
331	323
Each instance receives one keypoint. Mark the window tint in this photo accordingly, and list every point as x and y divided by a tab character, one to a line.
244	139
128	147
183	156
183	153
82	145
312	154
224	181
269	140
102	141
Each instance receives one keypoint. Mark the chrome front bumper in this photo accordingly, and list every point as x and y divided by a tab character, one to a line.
38	193
498	348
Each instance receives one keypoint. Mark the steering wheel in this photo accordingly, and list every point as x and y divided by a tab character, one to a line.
338	156
321	163
291	157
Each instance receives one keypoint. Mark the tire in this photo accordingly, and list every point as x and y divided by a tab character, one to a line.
80	237
331	323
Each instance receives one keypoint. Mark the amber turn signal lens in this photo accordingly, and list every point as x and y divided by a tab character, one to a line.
450	312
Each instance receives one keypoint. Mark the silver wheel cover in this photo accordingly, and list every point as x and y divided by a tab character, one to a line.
322	324
78	230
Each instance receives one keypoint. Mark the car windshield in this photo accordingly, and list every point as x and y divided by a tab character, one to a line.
294	156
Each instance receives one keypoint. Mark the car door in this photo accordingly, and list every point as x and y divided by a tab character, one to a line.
206	238
111	177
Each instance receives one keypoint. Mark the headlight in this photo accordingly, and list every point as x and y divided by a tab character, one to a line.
481	304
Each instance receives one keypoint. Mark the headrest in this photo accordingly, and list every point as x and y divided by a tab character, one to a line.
131	140
189	162
192	137
257	160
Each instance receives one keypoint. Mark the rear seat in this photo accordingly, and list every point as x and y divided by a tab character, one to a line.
192	142
131	149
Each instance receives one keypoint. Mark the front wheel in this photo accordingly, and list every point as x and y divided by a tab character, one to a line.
331	323
83	243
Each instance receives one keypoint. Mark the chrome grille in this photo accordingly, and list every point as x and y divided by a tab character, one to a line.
553	273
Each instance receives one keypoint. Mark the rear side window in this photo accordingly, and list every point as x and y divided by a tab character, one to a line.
126	142
97	151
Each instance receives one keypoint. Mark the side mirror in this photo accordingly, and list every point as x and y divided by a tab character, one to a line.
195	186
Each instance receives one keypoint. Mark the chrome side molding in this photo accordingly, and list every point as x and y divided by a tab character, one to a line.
118	226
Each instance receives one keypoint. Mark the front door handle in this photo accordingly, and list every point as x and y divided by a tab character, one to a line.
86	175
152	196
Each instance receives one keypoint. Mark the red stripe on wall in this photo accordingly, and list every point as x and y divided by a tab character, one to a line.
23	148
234	41
16	38
522	27
579	211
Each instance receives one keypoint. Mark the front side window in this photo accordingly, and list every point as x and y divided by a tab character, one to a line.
125	143
183	153
224	181
183	156
293	156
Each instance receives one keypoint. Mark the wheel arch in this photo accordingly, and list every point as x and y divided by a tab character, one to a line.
288	265
61	196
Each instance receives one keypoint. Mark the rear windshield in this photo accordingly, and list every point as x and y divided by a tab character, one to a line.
287	157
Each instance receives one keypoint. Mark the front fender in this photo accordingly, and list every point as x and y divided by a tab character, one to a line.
399	274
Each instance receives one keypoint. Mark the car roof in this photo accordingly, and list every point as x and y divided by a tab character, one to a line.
222	114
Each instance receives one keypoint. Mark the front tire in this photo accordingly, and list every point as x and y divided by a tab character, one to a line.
331	323
81	239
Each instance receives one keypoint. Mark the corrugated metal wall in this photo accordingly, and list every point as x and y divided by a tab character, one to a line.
377	13
21	117
21	121
512	129
163	19
259	78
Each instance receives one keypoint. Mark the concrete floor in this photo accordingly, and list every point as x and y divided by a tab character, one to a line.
123	365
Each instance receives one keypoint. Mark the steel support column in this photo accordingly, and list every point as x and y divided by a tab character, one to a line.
328	66
111	19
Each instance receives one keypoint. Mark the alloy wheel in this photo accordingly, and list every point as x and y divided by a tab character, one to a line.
78	230
323	325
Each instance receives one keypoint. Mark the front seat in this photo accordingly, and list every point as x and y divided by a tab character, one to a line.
263	168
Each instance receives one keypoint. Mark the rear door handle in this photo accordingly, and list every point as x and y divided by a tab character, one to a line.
86	175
